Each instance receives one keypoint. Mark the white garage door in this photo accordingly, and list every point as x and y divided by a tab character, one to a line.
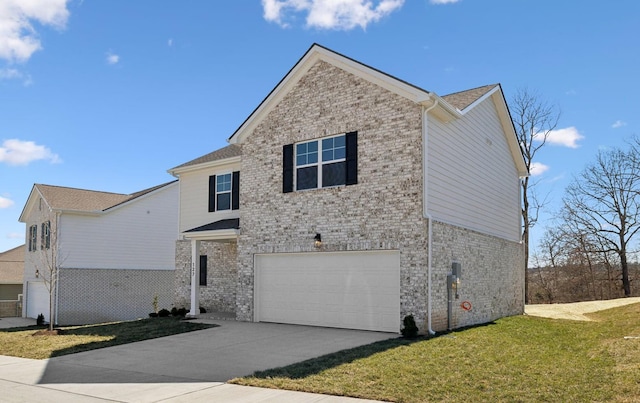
354	290
37	300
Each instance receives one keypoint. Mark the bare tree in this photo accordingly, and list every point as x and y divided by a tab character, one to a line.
604	202
49	258
533	119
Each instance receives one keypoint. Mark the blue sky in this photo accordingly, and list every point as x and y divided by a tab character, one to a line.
108	95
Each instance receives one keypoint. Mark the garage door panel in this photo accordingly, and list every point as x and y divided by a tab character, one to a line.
359	290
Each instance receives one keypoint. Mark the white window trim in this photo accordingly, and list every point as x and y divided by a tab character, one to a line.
318	164
230	191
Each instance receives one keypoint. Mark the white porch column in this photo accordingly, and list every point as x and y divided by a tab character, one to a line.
195	278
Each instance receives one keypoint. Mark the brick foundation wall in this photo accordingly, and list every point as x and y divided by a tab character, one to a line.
222	272
103	295
9	309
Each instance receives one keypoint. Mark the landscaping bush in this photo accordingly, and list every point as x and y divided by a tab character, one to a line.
153	315
163	313
40	320
410	330
202	310
182	312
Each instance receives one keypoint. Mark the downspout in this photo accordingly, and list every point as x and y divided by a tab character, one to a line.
426	214
57	270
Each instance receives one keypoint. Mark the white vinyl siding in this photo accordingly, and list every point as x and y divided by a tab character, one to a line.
194	198
472	178
140	234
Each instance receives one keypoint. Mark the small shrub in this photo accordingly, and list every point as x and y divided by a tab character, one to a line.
182	312
153	315
174	311
202	310
40	320
163	313
410	330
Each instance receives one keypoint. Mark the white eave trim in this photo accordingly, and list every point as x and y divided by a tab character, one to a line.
176	172
213	235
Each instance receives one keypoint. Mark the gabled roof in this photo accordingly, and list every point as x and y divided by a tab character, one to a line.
61	198
446	108
230	151
12	265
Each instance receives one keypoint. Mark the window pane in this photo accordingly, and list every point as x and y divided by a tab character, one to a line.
223	183
333	148
334	174
223	201
307	178
307	153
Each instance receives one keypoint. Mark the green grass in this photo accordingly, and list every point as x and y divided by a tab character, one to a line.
516	359
21	342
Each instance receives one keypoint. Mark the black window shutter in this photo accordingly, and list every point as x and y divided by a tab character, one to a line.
235	190
212	193
287	168
352	158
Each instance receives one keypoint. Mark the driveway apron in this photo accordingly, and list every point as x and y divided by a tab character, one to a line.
233	349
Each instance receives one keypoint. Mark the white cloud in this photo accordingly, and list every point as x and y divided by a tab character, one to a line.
443	1
15	74
15	235
170	42
18	152
330	14
538	168
18	38
112	58
618	123
567	137
5	203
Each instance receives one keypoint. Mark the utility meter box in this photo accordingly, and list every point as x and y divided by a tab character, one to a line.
456	270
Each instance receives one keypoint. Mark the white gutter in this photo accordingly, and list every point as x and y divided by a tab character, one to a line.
425	210
57	269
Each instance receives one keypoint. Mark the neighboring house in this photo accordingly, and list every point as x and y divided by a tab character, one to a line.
11	273
115	252
346	199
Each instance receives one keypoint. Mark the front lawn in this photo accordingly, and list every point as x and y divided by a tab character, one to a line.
517	359
21	342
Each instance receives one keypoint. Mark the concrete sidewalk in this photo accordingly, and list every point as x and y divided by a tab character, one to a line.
182	368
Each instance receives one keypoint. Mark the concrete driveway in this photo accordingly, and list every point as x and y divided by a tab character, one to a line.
186	367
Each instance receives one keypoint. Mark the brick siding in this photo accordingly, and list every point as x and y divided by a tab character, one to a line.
103	295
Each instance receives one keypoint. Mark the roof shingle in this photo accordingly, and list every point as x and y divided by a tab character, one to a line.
461	100
229	151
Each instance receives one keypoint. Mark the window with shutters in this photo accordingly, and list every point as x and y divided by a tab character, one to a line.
33	238
45	241
224	191
326	162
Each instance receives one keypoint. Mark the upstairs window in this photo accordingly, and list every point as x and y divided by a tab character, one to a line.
224	191
33	238
326	162
45	240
